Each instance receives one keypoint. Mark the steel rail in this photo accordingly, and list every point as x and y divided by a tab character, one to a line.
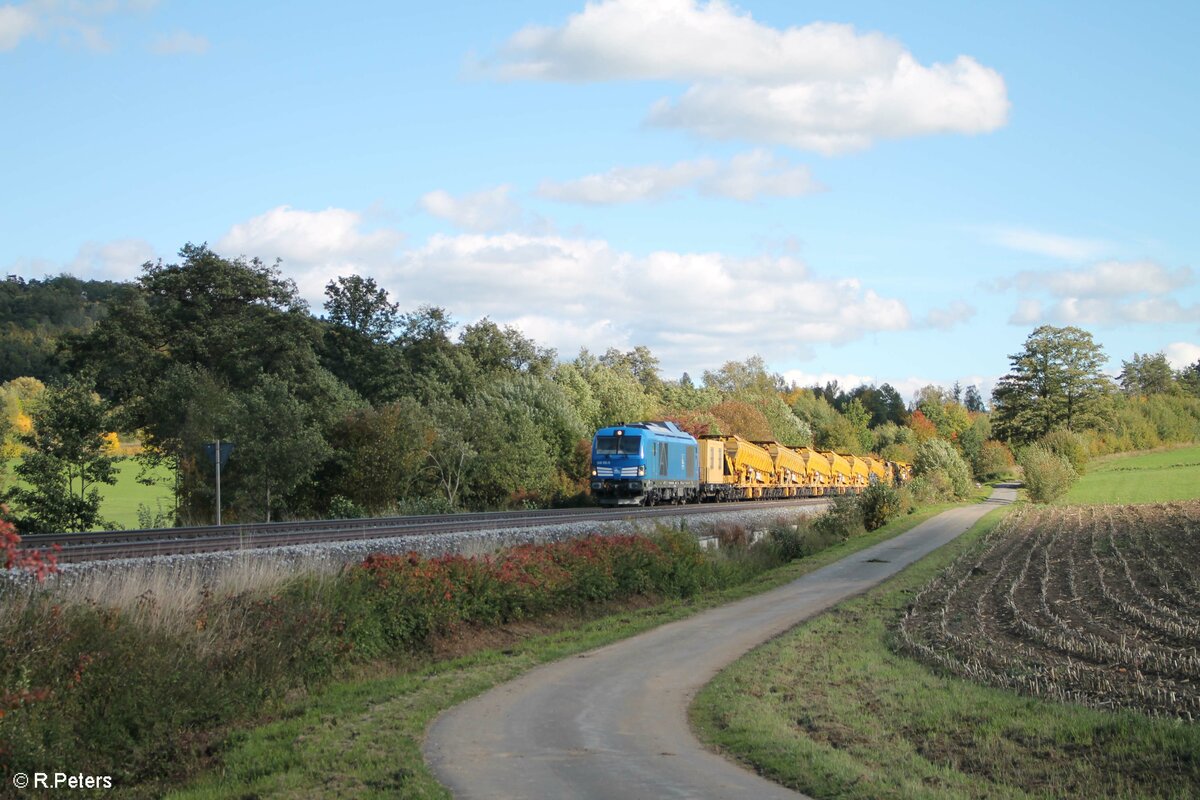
105	545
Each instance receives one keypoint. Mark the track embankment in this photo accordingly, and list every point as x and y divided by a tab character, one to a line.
613	722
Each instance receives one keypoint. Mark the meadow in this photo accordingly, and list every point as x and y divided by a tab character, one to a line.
1153	477
119	502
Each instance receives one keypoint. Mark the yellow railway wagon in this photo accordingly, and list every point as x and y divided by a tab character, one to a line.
842	475
791	473
820	471
860	472
748	470
902	471
881	471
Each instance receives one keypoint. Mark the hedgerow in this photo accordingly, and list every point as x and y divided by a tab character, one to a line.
113	692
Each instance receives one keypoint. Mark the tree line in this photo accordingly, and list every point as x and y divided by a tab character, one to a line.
366	409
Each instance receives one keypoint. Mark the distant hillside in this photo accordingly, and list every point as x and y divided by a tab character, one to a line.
35	314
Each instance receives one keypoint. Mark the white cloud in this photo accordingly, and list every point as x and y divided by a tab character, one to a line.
119	260
486	210
1106	279
759	173
822	86
629	184
70	23
572	292
799	377
906	386
949	317
1182	354
315	246
16	23
1067	248
1028	312
179	43
1105	293
745	177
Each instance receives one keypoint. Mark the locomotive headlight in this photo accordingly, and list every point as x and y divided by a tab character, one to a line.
641	470
593	472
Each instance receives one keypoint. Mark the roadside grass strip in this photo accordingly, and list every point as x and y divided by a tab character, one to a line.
832	710
362	737
1143	478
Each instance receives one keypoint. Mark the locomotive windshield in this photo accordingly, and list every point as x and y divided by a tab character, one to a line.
607	445
623	445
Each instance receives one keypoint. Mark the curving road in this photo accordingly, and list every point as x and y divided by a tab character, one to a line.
612	723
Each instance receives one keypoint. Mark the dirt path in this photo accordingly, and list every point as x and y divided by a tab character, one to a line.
612	723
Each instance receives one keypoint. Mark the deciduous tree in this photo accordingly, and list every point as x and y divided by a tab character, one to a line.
64	461
1055	381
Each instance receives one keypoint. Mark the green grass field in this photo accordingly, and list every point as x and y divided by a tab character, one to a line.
120	501
830	710
1140	478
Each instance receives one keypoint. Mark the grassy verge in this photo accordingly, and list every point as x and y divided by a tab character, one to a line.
1140	478
831	711
362	737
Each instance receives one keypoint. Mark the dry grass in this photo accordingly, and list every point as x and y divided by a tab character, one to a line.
158	595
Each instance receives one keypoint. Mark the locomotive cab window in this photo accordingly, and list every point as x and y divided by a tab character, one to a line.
607	445
629	445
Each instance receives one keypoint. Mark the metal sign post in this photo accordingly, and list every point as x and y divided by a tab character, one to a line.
219	453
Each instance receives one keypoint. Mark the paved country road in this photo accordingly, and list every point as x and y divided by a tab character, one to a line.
612	723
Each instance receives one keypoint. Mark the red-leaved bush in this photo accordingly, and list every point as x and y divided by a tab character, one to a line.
39	563
415	598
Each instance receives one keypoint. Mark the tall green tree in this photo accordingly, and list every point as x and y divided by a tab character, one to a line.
973	401
739	376
278	447
198	336
1189	379
1055	381
497	351
360	305
380	454
356	346
64	462
235	318
1147	375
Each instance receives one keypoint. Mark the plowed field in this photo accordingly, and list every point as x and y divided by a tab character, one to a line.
1098	605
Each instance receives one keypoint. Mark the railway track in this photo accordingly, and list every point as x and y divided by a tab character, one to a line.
105	545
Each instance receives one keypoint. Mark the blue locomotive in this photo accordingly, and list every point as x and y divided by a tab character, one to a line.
644	463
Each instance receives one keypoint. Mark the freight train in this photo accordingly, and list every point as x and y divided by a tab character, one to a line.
647	463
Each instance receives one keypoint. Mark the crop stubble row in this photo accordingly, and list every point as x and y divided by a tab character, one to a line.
1096	605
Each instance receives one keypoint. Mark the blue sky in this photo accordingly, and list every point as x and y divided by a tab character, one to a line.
862	191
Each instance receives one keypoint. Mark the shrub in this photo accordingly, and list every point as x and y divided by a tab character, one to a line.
842	520
932	487
1066	444
788	541
730	534
878	503
1047	474
994	460
803	539
938	454
341	507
